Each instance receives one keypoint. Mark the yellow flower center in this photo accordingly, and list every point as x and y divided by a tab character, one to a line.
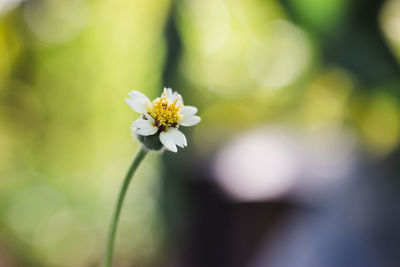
165	113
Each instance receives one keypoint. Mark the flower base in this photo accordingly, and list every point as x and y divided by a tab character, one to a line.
151	142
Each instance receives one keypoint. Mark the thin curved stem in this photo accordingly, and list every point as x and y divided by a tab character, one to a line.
114	223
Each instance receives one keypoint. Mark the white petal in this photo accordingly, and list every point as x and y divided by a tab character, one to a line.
179	97
134	93
137	101
139	123
167	140
188	111
144	127
190	120
149	117
168	92
145	131
177	136
172	95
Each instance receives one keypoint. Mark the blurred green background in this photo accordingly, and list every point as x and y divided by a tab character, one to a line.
66	66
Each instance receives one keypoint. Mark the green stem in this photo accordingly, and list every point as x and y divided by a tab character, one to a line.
114	223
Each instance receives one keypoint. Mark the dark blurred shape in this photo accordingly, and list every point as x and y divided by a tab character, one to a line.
355	42
356	226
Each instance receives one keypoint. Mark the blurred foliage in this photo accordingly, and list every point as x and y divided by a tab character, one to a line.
65	129
65	67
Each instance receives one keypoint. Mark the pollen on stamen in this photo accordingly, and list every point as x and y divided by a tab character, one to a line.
165	114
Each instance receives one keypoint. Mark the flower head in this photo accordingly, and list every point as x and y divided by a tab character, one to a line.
161	119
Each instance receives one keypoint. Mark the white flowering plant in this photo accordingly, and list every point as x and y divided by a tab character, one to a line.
161	119
157	128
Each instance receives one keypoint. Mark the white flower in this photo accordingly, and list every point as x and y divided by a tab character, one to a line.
162	117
